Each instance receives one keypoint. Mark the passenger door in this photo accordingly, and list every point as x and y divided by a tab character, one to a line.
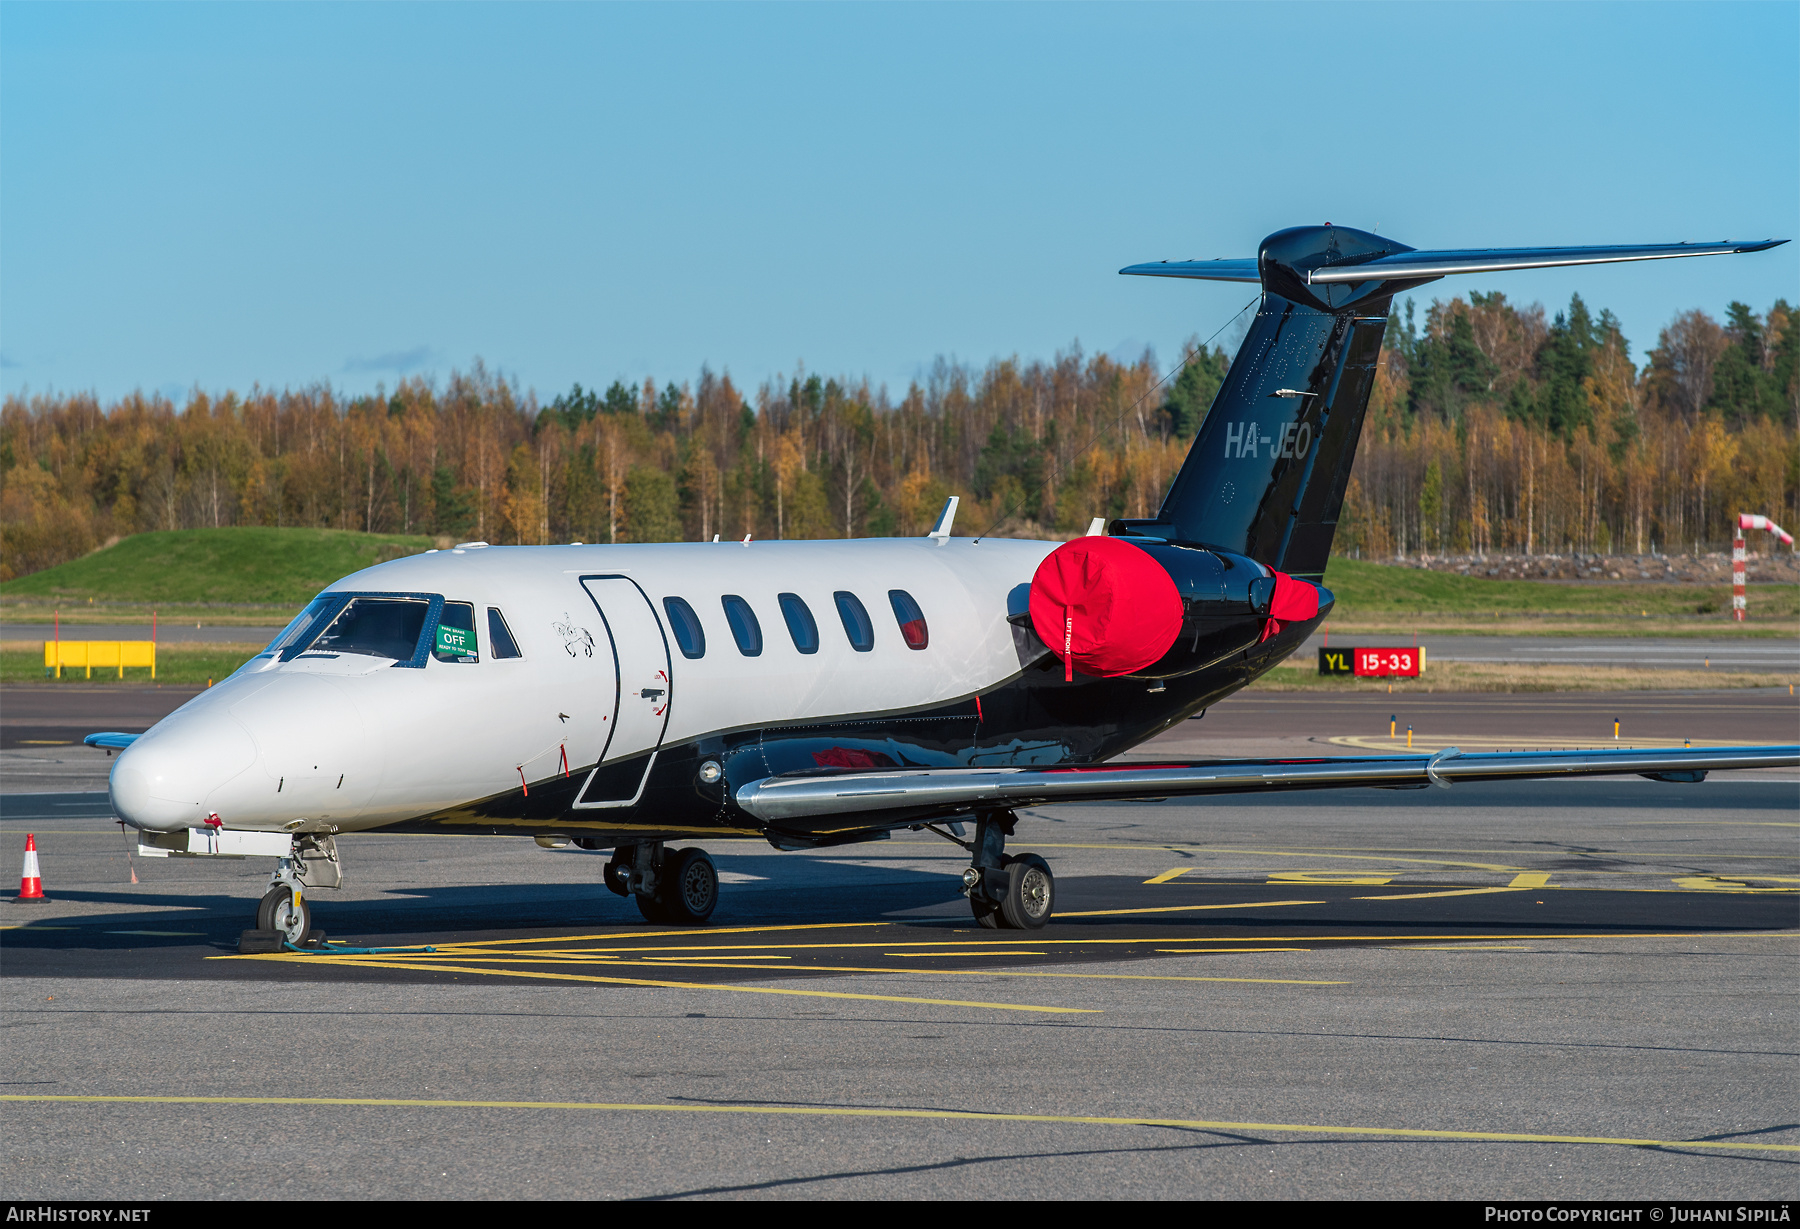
643	692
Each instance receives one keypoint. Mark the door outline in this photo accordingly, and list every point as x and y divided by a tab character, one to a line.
619	695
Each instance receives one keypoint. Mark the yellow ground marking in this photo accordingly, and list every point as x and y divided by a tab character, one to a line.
166	934
1177	873
34	926
1222	951
958	955
828	1111
1373	856
1381	742
46	742
1531	879
1428	895
663	934
746	956
1346	878
364	962
1457	947
1726	883
1270	904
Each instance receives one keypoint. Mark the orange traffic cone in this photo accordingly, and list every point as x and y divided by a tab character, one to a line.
31	884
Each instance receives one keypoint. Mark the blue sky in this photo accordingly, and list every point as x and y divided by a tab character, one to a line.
225	194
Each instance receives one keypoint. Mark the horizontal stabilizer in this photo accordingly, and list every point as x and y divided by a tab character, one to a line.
1212	270
1494	260
943	791
1408	265
112	742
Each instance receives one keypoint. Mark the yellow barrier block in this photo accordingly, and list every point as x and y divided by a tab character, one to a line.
87	654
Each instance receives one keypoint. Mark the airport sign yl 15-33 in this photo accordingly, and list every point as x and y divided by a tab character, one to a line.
1373	662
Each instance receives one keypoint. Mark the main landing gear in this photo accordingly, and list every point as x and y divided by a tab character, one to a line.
1006	892
673	887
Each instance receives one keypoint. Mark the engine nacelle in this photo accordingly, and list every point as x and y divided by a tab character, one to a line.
1112	607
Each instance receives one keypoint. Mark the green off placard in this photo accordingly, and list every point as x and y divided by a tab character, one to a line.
456	641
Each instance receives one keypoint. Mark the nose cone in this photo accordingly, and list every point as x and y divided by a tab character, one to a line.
162	781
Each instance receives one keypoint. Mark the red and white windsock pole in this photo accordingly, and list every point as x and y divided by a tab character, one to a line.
1747	521
31	883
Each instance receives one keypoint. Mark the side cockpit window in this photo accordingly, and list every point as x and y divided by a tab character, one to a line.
910	618
500	638
376	627
455	639
686	626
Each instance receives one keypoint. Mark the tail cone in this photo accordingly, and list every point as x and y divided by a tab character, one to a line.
31	883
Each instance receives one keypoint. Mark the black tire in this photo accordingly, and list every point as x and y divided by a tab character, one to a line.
689	888
1030	893
279	911
987	912
653	911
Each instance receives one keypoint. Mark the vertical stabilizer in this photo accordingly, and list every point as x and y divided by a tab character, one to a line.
1267	472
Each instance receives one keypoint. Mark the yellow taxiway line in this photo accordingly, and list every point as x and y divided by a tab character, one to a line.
1267	904
823	1111
362	962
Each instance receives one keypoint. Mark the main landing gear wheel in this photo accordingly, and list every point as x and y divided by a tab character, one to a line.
280	912
687	890
1027	899
1030	893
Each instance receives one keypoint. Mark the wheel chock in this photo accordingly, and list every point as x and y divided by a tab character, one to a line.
259	942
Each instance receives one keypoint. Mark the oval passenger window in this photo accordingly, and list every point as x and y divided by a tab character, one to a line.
856	621
744	627
800	622
910	618
686	626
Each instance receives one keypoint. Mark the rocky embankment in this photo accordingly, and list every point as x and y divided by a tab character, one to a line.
1713	568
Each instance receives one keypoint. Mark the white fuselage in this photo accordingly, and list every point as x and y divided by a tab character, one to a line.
345	742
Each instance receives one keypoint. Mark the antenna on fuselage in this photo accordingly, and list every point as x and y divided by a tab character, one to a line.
946	518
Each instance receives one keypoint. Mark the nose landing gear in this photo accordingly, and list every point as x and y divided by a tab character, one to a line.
673	887
1006	892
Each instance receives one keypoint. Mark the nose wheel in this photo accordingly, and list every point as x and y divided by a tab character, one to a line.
285	912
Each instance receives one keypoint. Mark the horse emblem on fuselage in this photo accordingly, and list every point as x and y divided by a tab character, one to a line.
574	638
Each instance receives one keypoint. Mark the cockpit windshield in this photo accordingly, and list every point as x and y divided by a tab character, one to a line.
304	625
376	626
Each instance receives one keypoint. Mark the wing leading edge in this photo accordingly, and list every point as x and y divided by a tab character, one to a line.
912	793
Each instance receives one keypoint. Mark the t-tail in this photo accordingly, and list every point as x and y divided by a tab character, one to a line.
1268	469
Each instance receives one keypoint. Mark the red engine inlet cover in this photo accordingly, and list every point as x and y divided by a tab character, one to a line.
1105	607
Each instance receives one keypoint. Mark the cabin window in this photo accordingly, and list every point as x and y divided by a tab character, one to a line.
376	627
856	621
800	622
744	627
686	626
455	639
910	618
500	638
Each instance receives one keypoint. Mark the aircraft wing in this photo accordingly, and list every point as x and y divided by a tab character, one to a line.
945	791
112	742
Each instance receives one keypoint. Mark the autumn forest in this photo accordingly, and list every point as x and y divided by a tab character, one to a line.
1492	427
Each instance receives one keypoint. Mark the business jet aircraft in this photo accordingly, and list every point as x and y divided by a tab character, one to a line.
820	693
